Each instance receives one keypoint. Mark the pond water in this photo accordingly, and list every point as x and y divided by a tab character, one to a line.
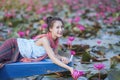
110	46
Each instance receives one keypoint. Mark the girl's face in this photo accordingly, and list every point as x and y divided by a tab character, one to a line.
57	29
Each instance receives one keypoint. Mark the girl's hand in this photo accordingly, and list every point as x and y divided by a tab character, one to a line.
1	65
71	70
64	60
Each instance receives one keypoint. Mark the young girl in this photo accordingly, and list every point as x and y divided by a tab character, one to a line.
25	50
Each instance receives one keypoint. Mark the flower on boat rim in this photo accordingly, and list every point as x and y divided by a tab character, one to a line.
72	52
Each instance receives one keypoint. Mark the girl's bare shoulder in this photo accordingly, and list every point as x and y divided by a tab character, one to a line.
42	40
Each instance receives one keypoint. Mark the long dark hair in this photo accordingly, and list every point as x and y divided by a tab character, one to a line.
50	21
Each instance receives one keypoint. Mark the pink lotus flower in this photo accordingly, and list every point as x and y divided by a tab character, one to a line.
76	7
97	16
69	42
108	9
21	34
99	42
40	10
71	38
8	15
50	9
81	27
76	19
44	26
44	18
102	14
81	73
99	66
79	12
118	18
76	74
29	8
69	20
69	2
109	20
72	52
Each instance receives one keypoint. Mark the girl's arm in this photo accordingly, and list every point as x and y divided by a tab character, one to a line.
51	55
56	53
61	58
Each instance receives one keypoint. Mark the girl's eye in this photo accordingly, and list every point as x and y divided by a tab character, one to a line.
57	27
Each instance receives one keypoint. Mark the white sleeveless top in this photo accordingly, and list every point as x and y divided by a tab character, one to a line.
28	49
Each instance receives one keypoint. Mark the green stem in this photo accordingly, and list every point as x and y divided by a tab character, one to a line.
99	75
